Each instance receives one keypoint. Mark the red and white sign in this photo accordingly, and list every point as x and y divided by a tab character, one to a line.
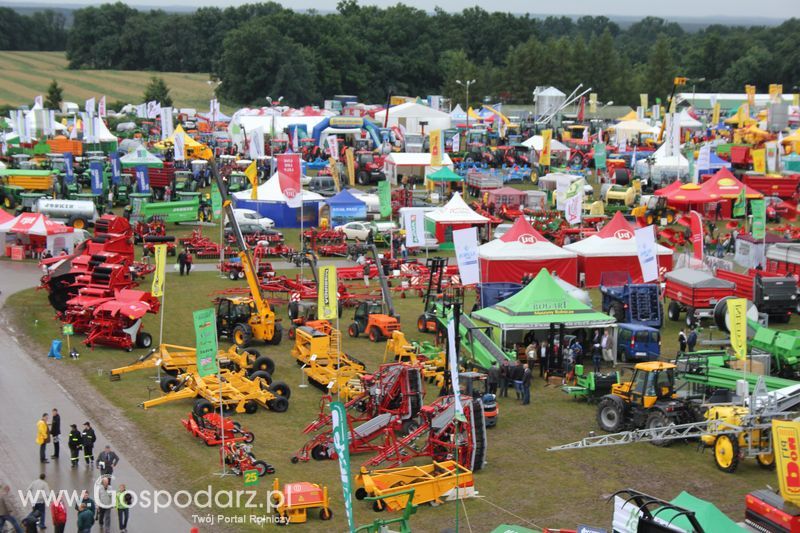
289	178
697	234
623	234
527	238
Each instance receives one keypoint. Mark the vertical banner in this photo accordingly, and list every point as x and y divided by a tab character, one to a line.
216	200
116	168
327	295
697	233
351	167
600	156
179	148
295	141
544	155
796	99
592	102
750	90
289	178
772	155
643	100
563	183
737	323
573	203
452	358
69	170
166	123
740	205
704	158
89	106
759	227
715	114
655	112
785	443
648	252
142	179
341	445
333	147
759	161
160	257
465	242
251	172
256	144
205	333
385	197
436	148
456	143
775	92
414	224
101	108
334	166
96	174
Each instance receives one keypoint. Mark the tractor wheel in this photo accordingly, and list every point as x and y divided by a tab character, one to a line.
422	324
766	460
9	202
78	223
242	335
144	340
611	414
202	407
248	437
363	178
375	334
263	375
261	467
658	419
277	335
291	332
279	404
265	364
250	407
409	426
726	453
691	320
319	453
353	330
168	384
325	513
240	274
232	275
279	388
670	217
618	311
361	493
674	311
294	309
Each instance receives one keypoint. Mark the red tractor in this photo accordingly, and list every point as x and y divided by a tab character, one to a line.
213	429
369	167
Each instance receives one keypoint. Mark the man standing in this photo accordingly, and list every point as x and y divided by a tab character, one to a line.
59	514
55	431
74	441
504	378
526	385
492	378
691	341
106	461
184	261
42	436
87	441
85	519
124	500
543	361
518	374
105	502
366	273
682	341
5	510
38	490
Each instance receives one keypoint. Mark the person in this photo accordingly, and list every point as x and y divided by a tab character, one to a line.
504	379
596	354
691	340
189	262
526	384
718	211
492	378
85	518
110	203
531	351
123	503
59	514
5	510
88	438
360	260
366	273
105	502
543	367
88	502
403	250
518	373
167	194
182	261
74	442
608	347
42	437
370	237
30	522
55	431
107	460
682	341
38	490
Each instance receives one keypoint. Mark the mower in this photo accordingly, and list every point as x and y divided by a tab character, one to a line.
296	499
213	429
239	457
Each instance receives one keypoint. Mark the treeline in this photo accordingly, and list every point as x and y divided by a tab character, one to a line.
41	30
264	49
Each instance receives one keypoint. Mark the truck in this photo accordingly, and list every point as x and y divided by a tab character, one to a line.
638	303
369	168
76	213
694	292
772	294
14	182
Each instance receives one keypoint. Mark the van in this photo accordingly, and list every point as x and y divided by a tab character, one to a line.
252	217
636	343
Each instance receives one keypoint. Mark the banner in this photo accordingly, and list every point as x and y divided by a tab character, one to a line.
592	102
759	161
256	144
205	333
453	363
544	155
796	99
334	166
295	141
600	156
38	101
436	148
351	167
563	183
69	171
772	156
648	252
740	205
581	110
785	442
166	123
341	445
327	295
737	316
179	148
289	178
465	243
89	106
414	224
715	114
251	172
101	107
704	157
333	147
775	92
758	210
96	175
142	179
216	200
573	209
160	258
456	143
655	112
385	197
643	100
697	234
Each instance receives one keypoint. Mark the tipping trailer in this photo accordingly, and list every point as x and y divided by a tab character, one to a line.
695	292
14	182
774	295
638	303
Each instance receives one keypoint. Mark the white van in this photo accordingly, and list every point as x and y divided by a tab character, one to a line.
248	215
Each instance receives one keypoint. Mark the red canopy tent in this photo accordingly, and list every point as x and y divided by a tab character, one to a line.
5	217
523	250
722	187
37	232
613	248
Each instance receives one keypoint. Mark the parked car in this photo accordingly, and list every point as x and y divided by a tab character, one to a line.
248	215
252	228
355	230
638	343
324	185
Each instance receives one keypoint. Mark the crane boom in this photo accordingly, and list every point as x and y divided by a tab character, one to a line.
385	292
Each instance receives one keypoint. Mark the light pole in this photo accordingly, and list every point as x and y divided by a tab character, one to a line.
695	81
466	85
272	104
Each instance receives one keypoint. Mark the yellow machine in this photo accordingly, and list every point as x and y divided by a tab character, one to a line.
626	196
326	365
399	349
296	499
729	448
653	210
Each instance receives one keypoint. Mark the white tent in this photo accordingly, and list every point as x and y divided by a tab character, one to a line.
458	114
456	211
686	121
630	127
271	190
410	116
537	143
411	164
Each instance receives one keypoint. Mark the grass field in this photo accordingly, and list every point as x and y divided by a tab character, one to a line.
28	74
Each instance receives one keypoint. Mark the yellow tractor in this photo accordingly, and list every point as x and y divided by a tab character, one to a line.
653	210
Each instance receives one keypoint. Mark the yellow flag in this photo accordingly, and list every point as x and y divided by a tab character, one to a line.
327	297
775	92
796	99
252	174
715	114
760	161
737	315
436	148
351	166
544	155
785	443
592	102
750	90
160	255
334	164
643	100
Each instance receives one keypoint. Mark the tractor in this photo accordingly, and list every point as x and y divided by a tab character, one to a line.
369	168
377	319
647	401
653	211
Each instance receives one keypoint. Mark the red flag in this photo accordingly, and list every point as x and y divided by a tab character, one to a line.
697	234
289	178
582	109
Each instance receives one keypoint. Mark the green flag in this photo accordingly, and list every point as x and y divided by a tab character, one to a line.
759	211
341	439
600	156
385	196
205	331
740	206
216	200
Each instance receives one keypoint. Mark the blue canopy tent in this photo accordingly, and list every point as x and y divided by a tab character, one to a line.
343	208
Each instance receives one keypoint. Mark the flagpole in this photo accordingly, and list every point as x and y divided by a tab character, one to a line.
161	329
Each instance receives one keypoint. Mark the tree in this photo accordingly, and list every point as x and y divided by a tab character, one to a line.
158	91
55	95
660	70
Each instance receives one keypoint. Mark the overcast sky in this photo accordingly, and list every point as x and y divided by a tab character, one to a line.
675	8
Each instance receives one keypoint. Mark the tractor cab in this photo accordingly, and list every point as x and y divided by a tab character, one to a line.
372	319
230	313
651	382
236	181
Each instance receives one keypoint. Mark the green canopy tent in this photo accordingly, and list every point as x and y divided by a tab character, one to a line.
140	157
507	528
444	174
712	519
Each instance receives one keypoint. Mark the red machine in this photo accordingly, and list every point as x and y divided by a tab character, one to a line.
239	457
160	178
150	241
233	268
117	322
696	292
203	247
785	187
772	294
369	167
767	511
211	429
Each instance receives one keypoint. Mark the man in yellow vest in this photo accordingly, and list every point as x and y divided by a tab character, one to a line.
42	438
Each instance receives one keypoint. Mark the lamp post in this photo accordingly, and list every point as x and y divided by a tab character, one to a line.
695	81
466	85
272	104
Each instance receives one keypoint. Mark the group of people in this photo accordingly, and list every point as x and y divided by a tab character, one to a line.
49	431
185	261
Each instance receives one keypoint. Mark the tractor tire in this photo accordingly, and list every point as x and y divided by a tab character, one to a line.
202	407
766	460
263	363
240	274
263	375
242	335
279	388
353	330
674	311
261	467
277	335
325	513
618	311
726	453
378	506
657	419
375	334
691	320
249	437
168	384
293	309
232	275
422	324
278	404
144	340
611	414
362	178
250	407
319	453
78	223
9	202
58	299
361	493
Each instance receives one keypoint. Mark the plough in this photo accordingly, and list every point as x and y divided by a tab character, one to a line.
239	457
203	247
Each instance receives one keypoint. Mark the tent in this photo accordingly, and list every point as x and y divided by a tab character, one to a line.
140	157
629	128
660	167
191	147
410	116
613	248
444	174
343	207
458	114
711	519
271	203
508	196
411	164
721	187
523	250
629	116
39	232
687	121
537	143
455	214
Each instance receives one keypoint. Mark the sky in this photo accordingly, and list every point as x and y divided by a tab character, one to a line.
738	9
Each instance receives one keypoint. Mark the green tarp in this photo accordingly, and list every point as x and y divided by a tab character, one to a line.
541	303
712	519
140	157
506	528
444	174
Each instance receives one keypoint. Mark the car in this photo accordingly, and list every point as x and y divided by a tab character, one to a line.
251	228
248	215
355	230
501	230
638	343
322	185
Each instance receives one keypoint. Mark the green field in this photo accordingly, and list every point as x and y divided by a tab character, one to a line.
28	74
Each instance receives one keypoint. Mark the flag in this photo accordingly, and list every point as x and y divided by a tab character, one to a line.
647	252
456	143
740	206
96	174
252	175
785	442
759	161
341	438
796	99
655	112
289	178
205	332
600	156
737	324
758	209
544	155
256	144
327	295
69	171
179	148
351	167
160	257
643	100
101	108
142	179
773	156
116	168
775	92
166	123
385	197
465	243
436	148
38	101
697	233
89	106
592	102
452	356
414	224
715	114
295	141
582	110
333	147
334	166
